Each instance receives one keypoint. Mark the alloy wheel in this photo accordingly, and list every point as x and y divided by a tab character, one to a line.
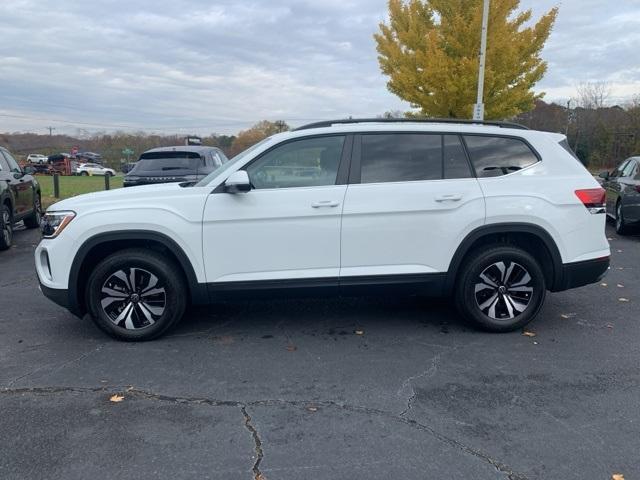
133	298
503	290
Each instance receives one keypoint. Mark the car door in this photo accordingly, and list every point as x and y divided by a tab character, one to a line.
286	230
412	198
21	185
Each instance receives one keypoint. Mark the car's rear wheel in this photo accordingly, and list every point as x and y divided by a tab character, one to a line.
136	295
84	174
6	228
501	288
33	220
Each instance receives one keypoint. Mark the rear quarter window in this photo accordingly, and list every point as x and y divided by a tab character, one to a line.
496	156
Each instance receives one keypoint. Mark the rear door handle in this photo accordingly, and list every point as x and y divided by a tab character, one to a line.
325	204
454	197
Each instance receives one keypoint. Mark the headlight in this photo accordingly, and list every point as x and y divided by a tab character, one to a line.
54	222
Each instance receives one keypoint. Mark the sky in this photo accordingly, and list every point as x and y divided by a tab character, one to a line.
198	66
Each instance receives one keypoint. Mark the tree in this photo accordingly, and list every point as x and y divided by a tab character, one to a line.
258	132
429	49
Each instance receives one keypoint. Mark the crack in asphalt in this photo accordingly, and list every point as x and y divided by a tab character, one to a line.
257	475
138	393
408	383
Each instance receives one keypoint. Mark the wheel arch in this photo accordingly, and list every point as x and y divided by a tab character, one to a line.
530	237
99	246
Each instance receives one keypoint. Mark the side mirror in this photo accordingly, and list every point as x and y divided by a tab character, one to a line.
237	182
18	175
604	175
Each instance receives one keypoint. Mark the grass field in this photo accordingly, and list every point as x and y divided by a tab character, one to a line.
72	186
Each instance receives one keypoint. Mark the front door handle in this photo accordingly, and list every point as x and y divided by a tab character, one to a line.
325	203
454	197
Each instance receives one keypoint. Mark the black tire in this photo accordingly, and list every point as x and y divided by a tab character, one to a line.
506	295
621	225
84	174
128	319
33	220
109	174
6	227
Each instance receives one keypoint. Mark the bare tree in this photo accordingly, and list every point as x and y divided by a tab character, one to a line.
593	95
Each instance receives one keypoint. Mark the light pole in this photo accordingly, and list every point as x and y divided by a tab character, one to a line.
478	110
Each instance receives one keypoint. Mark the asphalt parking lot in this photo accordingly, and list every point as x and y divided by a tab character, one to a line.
358	388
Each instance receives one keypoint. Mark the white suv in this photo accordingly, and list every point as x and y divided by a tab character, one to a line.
94	169
491	214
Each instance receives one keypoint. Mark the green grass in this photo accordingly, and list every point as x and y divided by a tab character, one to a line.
72	186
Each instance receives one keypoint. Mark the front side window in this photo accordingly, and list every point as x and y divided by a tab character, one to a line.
496	156
400	157
628	171
618	171
308	162
13	165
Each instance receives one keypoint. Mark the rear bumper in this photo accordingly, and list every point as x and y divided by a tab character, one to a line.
578	274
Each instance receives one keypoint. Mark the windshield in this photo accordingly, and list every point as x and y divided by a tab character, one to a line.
231	163
165	161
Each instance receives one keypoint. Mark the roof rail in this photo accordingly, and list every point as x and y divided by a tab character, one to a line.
347	121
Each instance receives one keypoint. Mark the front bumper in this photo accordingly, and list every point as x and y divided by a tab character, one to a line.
583	273
61	297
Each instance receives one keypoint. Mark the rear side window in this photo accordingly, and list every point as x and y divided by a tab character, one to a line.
400	158
496	156
455	159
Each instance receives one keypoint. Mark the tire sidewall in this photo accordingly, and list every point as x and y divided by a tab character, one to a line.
3	244
152	262
466	300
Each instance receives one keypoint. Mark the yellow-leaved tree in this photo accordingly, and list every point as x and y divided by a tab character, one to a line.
430	51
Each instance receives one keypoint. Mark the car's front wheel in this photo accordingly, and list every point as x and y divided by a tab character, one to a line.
136	294
501	288
84	174
621	225
6	227
33	220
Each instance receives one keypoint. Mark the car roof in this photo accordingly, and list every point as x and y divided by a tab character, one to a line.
371	126
184	148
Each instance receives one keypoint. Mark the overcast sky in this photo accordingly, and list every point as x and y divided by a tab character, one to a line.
196	66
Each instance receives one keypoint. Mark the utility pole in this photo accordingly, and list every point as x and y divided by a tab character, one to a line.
51	129
568	116
478	110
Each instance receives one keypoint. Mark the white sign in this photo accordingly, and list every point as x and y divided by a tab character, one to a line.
478	111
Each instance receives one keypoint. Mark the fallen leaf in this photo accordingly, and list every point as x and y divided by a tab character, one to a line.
620	285
116	398
568	315
603	284
619	251
623	299
311	408
620	268
609	238
291	348
617	476
528	334
609	325
359	332
535	343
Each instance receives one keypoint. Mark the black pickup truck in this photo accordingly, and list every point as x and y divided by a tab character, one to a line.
19	198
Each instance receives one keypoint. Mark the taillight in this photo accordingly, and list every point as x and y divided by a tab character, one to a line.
593	199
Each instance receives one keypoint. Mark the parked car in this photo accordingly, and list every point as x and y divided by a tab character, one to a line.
623	195
89	157
93	169
491	214
37	158
19	198
174	164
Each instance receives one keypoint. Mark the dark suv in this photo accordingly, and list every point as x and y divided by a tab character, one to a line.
19	198
623	195
174	164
